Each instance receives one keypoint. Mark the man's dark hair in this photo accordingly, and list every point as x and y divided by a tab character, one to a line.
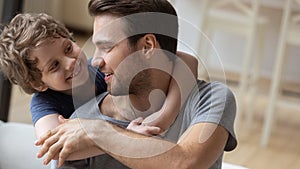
146	9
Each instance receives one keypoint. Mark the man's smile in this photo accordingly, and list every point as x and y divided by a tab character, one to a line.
108	77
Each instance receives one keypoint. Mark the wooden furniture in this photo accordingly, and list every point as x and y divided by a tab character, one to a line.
242	18
289	35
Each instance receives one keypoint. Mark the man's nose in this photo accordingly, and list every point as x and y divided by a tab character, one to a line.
98	62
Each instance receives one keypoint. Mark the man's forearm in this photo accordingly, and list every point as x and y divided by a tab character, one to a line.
199	147
134	150
89	152
137	151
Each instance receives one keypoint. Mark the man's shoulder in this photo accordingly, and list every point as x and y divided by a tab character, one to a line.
210	100
210	89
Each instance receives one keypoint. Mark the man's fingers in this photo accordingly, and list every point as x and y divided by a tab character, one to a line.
60	162
46	145
64	153
45	136
53	151
42	138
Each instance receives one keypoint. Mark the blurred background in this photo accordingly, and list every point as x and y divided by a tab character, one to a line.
252	46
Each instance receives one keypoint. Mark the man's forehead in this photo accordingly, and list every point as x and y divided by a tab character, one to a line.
108	37
108	28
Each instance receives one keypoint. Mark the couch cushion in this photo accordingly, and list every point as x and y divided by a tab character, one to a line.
17	147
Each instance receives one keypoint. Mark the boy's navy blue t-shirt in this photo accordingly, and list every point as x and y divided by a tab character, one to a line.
54	102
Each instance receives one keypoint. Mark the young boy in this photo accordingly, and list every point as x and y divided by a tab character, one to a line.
39	54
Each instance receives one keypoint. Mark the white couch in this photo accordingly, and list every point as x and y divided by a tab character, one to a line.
17	149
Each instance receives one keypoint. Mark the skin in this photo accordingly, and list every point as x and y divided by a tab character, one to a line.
198	147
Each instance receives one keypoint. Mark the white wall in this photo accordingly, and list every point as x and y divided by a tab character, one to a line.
51	7
73	13
230	47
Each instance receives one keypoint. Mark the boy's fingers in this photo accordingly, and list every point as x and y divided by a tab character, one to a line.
61	119
138	120
154	130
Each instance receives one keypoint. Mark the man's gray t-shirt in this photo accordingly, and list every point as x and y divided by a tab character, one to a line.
207	103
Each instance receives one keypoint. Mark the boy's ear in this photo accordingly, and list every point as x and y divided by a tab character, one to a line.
150	43
41	88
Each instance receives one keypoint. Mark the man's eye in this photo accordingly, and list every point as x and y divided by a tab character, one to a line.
54	66
106	48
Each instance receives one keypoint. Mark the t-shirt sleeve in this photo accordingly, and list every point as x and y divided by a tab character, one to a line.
41	106
215	103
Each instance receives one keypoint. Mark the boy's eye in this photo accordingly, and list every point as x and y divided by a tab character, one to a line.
68	49
53	66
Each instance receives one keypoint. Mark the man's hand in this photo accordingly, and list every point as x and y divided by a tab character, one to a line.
67	138
141	128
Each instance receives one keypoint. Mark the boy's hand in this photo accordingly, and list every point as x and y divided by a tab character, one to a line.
139	127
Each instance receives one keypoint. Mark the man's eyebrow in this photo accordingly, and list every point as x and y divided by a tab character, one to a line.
101	42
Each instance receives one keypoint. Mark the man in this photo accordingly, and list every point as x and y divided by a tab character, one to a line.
135	46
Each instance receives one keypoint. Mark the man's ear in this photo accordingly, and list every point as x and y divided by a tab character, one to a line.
149	44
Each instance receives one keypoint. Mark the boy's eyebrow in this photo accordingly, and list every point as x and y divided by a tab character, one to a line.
48	62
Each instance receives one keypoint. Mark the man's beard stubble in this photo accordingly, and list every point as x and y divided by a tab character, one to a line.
141	83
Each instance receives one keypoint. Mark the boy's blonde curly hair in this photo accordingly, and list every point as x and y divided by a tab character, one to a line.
24	33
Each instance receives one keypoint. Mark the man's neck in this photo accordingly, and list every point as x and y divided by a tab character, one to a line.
130	107
146	102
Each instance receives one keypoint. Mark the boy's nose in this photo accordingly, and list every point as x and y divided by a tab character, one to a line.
70	63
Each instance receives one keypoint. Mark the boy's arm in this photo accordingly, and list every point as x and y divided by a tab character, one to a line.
46	123
168	113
